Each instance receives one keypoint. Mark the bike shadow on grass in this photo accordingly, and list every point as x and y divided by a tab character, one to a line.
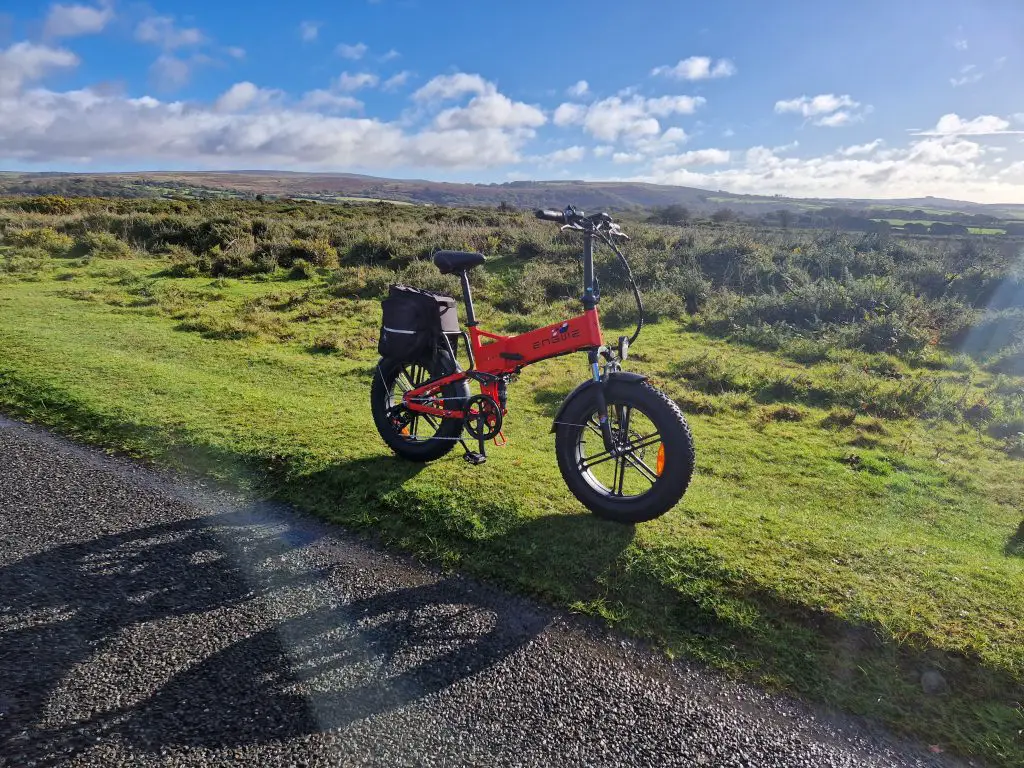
239	628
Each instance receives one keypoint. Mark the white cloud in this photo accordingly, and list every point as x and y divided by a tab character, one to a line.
354	82
817	105
838	119
603	150
244	95
327	101
944	151
697	68
75	20
491	110
625	158
825	109
960	44
956	82
579	90
162	31
26	62
392	54
170	73
445	87
352	51
940	166
968	74
663	106
861	149
1015	170
561	156
569	113
633	118
696	157
43	126
309	31
953	125
236	52
396	81
664	143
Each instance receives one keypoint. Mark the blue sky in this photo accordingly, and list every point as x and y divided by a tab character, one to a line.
866	99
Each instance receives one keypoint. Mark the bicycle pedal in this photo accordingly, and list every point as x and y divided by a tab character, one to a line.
476	459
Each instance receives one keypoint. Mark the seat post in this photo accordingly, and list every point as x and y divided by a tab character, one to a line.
468	297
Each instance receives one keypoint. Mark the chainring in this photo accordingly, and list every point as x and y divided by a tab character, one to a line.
483	417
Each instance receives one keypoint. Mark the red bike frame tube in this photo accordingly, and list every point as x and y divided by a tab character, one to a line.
497	355
505	354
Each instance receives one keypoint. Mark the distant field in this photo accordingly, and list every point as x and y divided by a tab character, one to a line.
901	222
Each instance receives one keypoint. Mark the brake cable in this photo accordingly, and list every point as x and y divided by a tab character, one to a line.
632	282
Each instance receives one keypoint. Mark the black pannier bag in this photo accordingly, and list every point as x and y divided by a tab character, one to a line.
414	320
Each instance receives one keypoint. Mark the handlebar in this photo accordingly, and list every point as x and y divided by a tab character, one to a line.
556	216
570	217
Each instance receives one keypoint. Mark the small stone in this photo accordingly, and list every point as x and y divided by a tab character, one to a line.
932	682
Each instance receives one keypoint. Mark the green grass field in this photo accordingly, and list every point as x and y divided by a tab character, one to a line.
820	550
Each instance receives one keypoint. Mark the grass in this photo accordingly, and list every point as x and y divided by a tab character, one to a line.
824	548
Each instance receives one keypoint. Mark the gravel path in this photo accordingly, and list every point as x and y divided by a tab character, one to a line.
145	621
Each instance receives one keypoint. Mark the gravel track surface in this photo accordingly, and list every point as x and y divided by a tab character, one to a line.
146	620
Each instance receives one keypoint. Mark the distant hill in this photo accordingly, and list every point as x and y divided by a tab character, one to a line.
588	195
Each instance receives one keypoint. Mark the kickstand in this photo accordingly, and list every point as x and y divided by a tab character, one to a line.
473	457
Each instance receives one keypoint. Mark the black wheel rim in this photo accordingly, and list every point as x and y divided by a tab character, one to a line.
409	425
631	469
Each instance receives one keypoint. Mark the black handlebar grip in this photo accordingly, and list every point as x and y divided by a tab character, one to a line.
556	216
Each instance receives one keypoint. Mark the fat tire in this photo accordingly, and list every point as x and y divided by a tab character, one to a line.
680	456
384	375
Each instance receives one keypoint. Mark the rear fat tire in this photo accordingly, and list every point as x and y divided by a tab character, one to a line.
675	434
384	375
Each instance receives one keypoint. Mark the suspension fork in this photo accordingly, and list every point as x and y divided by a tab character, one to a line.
602	404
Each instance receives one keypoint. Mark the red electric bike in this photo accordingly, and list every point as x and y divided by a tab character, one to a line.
623	447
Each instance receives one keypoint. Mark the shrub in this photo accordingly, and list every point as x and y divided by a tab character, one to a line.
24	261
301	270
362	282
778	413
45	239
101	245
50	205
838	418
372	249
1014	445
316	253
423	274
326	343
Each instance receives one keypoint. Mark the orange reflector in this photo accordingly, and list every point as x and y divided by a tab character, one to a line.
405	431
659	466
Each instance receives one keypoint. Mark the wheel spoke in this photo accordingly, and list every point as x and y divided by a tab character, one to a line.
599	458
642	467
644	442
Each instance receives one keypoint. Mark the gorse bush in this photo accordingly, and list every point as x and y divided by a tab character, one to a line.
101	245
45	239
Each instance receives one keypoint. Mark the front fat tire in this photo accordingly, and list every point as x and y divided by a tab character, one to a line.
680	456
450	429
